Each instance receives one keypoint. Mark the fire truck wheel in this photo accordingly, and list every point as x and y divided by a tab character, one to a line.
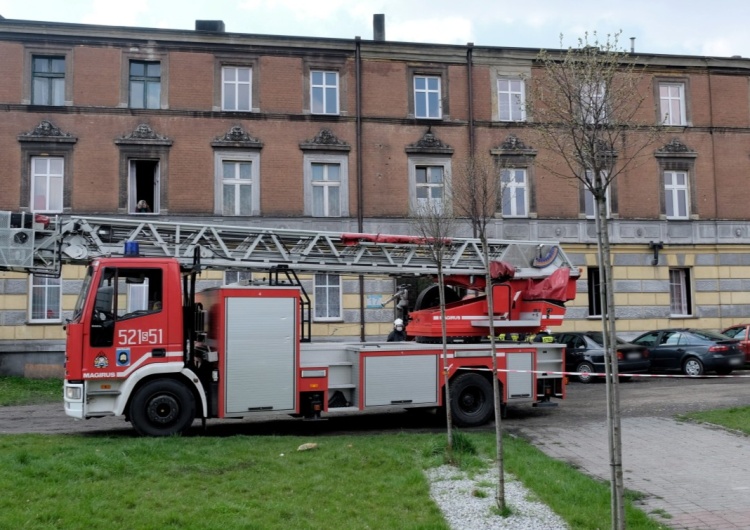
471	400
162	407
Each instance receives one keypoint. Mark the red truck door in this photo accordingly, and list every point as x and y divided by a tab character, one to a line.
130	322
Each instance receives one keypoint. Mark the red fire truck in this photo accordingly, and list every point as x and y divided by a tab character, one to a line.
143	344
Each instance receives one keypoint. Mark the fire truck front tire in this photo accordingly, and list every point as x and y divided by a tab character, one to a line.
471	400
162	407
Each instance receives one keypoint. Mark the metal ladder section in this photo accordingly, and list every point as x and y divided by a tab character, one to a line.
77	239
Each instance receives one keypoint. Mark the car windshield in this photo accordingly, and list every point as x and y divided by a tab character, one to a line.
735	333
78	310
599	338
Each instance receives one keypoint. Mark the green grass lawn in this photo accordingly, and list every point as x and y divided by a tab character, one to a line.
736	418
377	481
22	391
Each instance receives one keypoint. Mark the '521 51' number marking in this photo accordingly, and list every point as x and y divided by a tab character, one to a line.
139	336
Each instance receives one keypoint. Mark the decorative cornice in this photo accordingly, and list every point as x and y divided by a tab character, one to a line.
430	144
145	135
46	131
513	146
675	148
325	140
237	137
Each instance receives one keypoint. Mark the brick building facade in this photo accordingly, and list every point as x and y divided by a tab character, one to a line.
347	135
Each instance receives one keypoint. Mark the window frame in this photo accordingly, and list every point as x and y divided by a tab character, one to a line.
594	100
327	287
513	187
46	289
313	86
427	91
311	158
684	103
593	281
53	51
147	81
224	155
237	83
521	104
680	292
671	194
162	59
588	198
49	76
32	183
431	161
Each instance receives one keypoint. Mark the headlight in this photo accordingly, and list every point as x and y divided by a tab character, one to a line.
73	393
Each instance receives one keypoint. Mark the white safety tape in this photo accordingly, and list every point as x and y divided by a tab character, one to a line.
621	374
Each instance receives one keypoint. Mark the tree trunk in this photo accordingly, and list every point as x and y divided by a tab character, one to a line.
617	488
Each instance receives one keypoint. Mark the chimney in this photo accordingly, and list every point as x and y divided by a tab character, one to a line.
632	44
378	27
214	26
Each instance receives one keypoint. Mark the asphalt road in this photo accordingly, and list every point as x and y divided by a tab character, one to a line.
584	403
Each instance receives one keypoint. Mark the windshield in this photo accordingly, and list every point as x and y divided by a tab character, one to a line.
78	311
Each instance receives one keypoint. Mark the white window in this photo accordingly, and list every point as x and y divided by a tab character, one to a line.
588	197
672	103
514	190
676	194
44	302
326	185
511	99
236	88
679	292
430	188
593	103
427	99
237	190
327	297
47	183
324	92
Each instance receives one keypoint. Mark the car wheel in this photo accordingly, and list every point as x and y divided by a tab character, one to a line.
162	407
585	369
692	367
471	400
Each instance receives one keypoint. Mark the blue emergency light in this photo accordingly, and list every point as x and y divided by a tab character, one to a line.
131	248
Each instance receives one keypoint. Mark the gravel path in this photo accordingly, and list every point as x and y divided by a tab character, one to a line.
467	502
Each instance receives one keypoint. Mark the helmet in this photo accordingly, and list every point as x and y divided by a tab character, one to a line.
398	322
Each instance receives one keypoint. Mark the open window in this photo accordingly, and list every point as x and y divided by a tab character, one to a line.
143	196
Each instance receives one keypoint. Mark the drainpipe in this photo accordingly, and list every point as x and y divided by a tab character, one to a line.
469	71
360	191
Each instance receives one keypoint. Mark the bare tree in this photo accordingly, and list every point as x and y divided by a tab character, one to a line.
434	221
476	194
588	110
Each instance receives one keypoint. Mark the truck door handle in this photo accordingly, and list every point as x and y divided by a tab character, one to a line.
158	352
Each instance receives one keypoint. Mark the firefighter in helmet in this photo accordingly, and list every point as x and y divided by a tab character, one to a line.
398	334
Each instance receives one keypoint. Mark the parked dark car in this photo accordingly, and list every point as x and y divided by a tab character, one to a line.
692	351
584	353
741	332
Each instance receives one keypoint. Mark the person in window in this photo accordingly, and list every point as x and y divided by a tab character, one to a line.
398	334
142	207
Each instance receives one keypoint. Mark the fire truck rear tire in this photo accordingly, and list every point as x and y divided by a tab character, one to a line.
162	407
471	400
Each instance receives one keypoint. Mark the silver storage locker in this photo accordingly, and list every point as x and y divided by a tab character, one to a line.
260	354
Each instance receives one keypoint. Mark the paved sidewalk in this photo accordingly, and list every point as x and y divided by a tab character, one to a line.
698	475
